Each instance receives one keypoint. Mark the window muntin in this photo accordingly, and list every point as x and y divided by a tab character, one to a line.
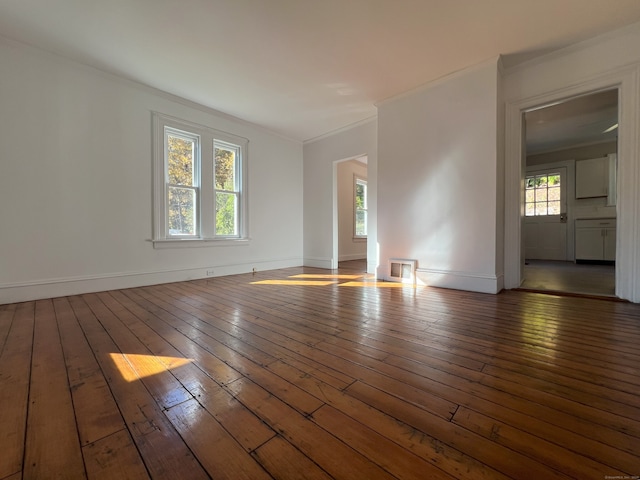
543	194
360	202
199	184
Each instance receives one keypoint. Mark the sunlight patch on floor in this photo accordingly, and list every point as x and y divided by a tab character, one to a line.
295	282
132	366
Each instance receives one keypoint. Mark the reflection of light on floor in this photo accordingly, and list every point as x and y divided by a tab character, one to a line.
374	284
294	282
366	280
318	275
133	366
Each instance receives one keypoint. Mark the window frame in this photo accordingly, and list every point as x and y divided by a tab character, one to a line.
205	217
360	180
560	187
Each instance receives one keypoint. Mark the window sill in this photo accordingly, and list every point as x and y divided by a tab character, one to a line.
198	242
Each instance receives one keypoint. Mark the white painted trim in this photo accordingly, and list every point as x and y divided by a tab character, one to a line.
352	256
627	248
573	48
346	128
59	287
469	281
318	262
445	78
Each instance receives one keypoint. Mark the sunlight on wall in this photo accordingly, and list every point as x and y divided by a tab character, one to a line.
133	367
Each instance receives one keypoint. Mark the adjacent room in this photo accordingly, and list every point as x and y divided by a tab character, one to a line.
349	239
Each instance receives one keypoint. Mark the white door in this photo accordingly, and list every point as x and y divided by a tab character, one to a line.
545	223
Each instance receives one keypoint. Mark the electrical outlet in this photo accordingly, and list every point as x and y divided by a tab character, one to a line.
209	273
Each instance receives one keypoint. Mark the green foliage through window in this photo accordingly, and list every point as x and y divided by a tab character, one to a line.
361	208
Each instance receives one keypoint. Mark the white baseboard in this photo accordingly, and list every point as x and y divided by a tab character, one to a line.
317	262
61	287
472	282
353	256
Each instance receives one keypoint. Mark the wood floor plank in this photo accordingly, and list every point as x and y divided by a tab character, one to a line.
414	438
218	452
96	411
285	462
164	452
15	371
245	427
332	455
52	445
286	391
146	367
380	450
260	333
277	375
558	458
114	457
7	313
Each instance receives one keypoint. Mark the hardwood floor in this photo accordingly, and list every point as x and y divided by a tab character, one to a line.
307	373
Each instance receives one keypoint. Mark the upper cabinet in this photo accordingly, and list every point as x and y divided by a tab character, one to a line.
596	177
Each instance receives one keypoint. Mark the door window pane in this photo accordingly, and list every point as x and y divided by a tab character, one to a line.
542	195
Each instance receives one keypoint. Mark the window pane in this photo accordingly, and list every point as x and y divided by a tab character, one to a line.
553	194
541	194
225	171
541	208
180	160
182	206
541	181
361	195
361	223
530	209
530	196
554	208
554	180
226	207
530	182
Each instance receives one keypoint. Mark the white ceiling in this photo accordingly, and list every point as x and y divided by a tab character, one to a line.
302	68
580	121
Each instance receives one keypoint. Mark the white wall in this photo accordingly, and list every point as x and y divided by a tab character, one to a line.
612	60
349	248
320	192
438	169
76	180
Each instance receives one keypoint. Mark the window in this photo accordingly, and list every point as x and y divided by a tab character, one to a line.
200	183
542	194
360	221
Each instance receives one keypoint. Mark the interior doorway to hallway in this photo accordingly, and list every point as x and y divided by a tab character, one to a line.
350	213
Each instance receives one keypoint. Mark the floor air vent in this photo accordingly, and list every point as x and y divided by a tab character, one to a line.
402	270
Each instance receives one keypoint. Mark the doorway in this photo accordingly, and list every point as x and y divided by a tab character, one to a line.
350	215
567	146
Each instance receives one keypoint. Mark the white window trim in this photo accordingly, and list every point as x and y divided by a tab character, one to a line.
356	179
205	206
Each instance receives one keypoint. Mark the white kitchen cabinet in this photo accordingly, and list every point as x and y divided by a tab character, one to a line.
592	178
596	239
